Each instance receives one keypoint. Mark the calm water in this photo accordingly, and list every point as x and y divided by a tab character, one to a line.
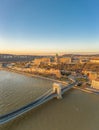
17	90
76	111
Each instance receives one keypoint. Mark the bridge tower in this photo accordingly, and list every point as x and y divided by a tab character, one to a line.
57	89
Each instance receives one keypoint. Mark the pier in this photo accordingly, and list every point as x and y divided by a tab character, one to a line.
56	92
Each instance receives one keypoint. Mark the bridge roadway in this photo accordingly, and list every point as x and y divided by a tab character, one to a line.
44	98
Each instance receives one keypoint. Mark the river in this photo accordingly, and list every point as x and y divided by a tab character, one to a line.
76	111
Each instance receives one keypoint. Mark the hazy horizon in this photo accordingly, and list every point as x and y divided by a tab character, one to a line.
52	53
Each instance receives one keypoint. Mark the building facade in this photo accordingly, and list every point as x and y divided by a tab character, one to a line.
65	60
41	60
95	84
92	75
94	60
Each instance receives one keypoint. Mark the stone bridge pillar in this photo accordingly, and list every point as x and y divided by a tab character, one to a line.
57	89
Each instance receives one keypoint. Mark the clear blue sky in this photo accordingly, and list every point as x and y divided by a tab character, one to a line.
32	26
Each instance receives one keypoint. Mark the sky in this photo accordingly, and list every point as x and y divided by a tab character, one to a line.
49	26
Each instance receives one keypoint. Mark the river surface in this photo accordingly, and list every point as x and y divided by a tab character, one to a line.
76	111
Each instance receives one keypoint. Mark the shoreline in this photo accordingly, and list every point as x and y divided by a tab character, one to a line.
82	89
33	75
46	78
85	90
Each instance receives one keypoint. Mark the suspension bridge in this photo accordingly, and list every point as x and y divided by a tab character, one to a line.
56	91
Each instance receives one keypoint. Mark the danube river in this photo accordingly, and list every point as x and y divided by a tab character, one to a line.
76	111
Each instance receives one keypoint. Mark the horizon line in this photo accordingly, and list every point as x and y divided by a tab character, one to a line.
51	53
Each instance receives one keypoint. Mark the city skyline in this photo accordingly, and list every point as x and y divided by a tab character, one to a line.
49	27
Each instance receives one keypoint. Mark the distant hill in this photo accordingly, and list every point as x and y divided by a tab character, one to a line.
80	55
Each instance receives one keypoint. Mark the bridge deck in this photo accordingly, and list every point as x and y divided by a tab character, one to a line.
44	98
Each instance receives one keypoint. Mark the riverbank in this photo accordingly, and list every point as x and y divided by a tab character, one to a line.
86	90
34	75
82	89
46	78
